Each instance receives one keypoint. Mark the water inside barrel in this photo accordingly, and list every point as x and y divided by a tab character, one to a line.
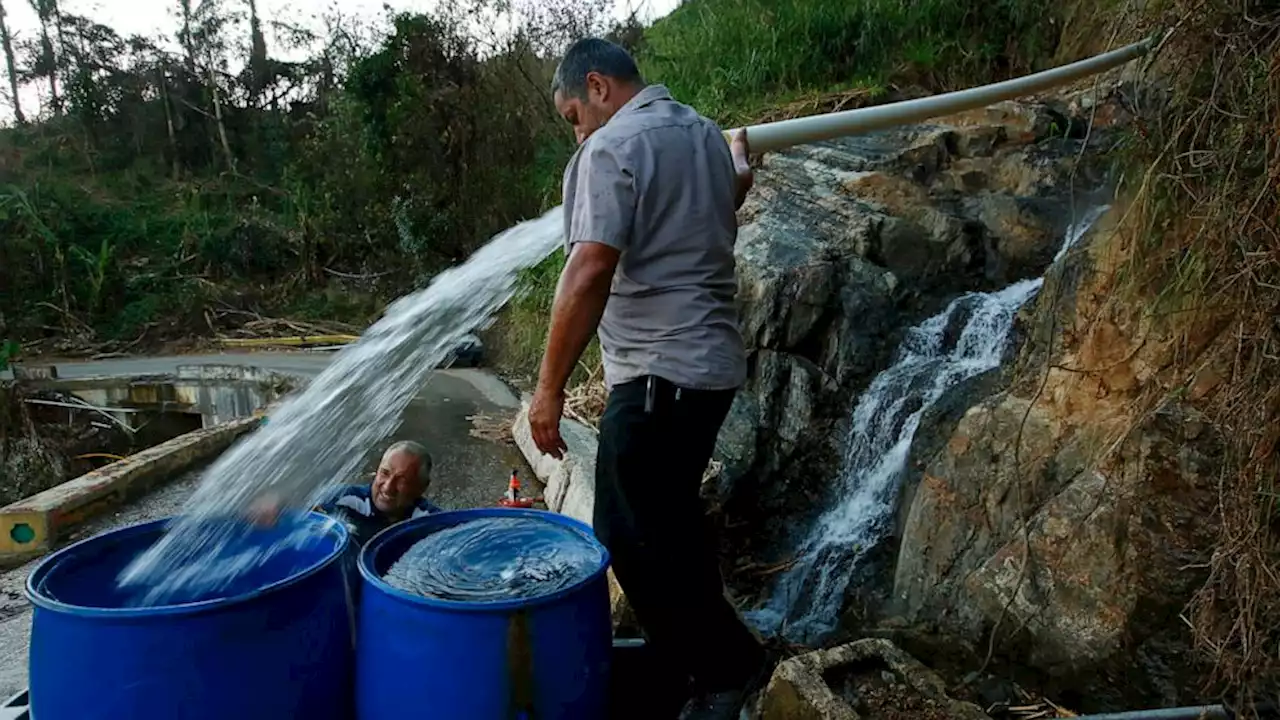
493	559
243	559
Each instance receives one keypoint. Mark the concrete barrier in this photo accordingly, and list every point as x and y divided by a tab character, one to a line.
801	687
33	372
570	482
218	393
34	526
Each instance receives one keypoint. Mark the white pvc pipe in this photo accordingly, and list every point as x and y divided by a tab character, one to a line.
770	137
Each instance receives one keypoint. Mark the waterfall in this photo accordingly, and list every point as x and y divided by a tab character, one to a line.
932	358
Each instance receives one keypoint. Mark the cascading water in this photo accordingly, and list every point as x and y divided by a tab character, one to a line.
319	438
932	358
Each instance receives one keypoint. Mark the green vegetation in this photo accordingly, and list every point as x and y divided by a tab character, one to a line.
8	351
163	194
173	191
731	58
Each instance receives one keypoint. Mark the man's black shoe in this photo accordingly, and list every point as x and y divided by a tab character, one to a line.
725	704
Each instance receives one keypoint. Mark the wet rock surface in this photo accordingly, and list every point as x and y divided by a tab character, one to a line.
1104	564
1061	509
846	244
1067	498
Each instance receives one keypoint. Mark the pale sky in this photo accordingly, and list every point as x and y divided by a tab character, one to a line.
152	18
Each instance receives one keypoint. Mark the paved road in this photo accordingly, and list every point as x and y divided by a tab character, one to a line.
470	471
304	364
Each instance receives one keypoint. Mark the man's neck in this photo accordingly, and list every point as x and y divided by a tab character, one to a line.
627	93
396	515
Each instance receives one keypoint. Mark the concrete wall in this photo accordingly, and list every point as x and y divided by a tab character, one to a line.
37	524
218	393
222	393
570	482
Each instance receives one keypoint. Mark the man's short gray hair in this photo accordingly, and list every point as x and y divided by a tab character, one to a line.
415	450
593	55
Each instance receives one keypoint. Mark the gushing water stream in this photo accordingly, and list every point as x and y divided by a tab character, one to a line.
932	359
319	438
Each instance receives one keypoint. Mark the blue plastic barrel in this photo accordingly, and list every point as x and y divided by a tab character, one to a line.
543	657
275	644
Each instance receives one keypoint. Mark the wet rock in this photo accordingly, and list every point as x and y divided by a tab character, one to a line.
624	618
935	431
1023	230
869	678
1113	551
842	246
966	507
736	445
1090	535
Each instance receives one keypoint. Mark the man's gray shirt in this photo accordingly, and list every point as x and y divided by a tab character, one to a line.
657	183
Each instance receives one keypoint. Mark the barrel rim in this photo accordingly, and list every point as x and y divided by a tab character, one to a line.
368	575
49	562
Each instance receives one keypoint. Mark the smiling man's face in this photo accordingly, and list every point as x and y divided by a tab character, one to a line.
396	484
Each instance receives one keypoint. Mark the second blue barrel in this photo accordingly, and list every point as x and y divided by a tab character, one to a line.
486	614
272	642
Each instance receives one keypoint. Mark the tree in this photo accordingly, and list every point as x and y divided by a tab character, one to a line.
258	69
6	41
46	64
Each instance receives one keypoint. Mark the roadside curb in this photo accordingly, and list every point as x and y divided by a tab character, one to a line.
571	482
33	526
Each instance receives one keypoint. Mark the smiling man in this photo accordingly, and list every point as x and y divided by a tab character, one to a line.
650	199
396	493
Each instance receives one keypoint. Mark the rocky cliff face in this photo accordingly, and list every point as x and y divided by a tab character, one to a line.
1077	508
1065	501
846	244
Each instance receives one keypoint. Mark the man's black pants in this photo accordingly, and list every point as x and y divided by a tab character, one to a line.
655	442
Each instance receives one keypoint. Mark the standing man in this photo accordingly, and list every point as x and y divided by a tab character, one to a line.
650	201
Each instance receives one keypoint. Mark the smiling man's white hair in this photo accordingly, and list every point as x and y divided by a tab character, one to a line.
416	451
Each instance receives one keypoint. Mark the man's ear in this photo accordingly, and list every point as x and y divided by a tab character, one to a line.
597	85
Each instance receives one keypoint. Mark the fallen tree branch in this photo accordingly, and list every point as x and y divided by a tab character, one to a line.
355	276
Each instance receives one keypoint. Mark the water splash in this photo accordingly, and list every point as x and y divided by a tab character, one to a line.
235	550
491	559
319	438
931	360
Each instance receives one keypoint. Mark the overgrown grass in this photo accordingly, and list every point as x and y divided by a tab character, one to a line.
1199	263
1213	235
725	57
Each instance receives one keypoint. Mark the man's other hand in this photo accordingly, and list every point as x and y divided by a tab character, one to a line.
265	510
740	149
544	422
